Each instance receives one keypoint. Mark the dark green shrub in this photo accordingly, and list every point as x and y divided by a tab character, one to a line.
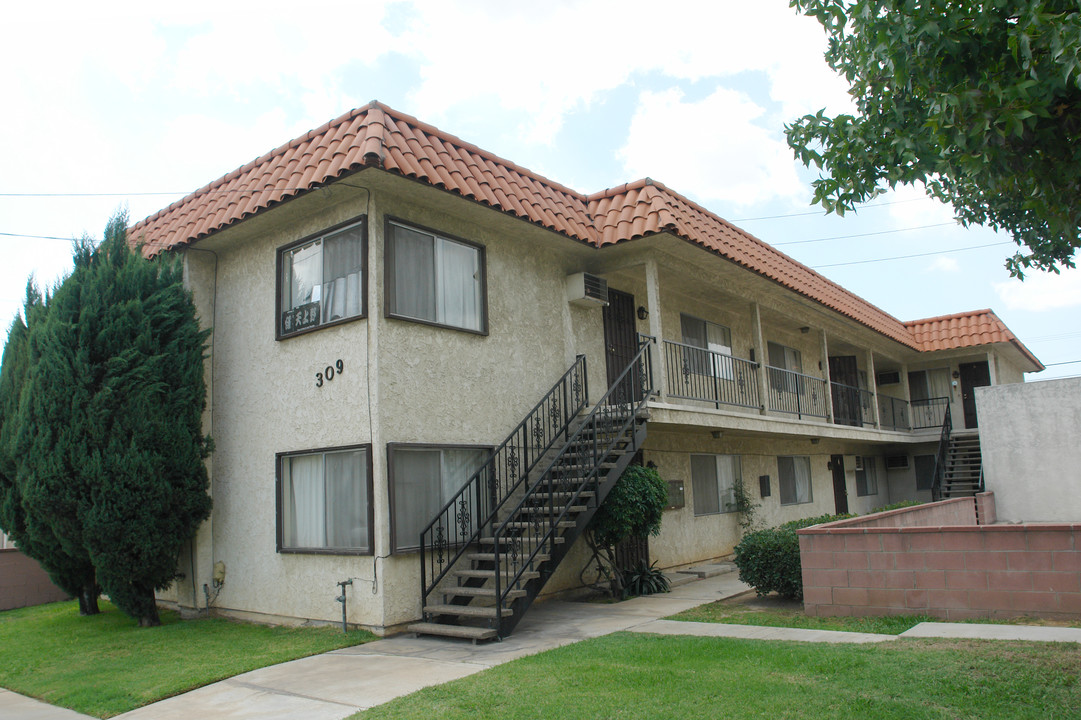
768	560
644	580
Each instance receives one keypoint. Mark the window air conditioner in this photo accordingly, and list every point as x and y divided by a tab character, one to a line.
888	377
586	289
896	462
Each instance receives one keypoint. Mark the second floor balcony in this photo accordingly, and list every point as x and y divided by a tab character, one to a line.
703	377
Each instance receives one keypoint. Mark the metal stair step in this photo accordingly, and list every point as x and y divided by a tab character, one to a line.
481	592
538	509
458	631
521	525
510	538
490	557
490	574
478	611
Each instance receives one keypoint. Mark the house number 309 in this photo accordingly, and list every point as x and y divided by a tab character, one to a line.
329	372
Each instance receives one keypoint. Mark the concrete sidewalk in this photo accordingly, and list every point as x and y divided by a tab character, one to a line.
339	683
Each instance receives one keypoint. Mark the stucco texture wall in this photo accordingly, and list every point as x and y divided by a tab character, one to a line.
24	583
1030	437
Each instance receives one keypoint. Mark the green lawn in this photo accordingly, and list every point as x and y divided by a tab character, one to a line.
627	675
772	611
105	664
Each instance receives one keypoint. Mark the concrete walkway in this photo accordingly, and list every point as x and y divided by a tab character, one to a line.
339	683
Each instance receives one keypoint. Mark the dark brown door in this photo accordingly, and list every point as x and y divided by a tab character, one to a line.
973	375
620	345
846	399
840	491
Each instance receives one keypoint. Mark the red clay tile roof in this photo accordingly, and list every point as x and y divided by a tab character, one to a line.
967	329
379	137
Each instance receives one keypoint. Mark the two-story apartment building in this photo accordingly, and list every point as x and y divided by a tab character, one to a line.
389	302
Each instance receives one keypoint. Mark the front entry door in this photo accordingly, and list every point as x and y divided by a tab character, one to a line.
973	375
621	344
840	491
846	400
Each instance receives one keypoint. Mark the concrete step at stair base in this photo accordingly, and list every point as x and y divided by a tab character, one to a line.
458	631
474	611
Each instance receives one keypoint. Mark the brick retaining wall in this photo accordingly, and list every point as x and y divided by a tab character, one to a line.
898	562
24	583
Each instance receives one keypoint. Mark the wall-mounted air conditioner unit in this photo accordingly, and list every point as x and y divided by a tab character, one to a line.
888	377
586	289
897	462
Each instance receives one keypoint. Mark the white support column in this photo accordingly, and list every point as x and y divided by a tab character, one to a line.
872	385
829	380
761	357
906	394
992	371
653	305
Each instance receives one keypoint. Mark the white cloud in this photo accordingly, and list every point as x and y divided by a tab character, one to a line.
944	264
548	63
1042	291
712	148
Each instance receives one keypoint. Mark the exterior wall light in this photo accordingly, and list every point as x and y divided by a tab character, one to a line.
642	312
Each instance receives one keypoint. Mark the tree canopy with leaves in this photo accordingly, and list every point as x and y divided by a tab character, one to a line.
978	100
108	450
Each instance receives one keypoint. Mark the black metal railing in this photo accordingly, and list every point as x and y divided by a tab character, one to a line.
695	373
929	413
941	455
528	537
460	521
852	405
795	393
893	413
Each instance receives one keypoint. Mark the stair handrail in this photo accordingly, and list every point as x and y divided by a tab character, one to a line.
544	532
549	419
940	457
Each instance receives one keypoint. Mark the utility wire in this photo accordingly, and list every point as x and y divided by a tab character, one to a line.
1068	362
823	212
36	237
906	257
845	237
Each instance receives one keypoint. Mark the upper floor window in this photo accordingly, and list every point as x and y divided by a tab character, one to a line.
715	342
782	357
435	279
321	280
324	501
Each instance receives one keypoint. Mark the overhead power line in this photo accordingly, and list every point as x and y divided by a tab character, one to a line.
879	232
906	257
36	237
823	212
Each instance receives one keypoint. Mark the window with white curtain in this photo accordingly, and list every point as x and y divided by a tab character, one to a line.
322	280
324	501
867	477
715	342
435	279
782	357
713	483
5	543
423	479
794	475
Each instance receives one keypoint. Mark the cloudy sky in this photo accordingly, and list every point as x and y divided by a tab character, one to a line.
133	105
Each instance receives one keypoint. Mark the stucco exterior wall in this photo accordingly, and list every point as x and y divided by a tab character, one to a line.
1030	436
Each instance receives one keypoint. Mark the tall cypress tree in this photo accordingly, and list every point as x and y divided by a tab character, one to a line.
143	451
111	427
33	529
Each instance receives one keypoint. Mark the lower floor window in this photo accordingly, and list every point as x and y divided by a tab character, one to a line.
794	474
867	477
423	479
324	500
714	479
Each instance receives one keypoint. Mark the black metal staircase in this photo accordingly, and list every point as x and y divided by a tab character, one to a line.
959	463
479	578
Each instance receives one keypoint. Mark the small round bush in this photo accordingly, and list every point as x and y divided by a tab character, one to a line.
768	560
